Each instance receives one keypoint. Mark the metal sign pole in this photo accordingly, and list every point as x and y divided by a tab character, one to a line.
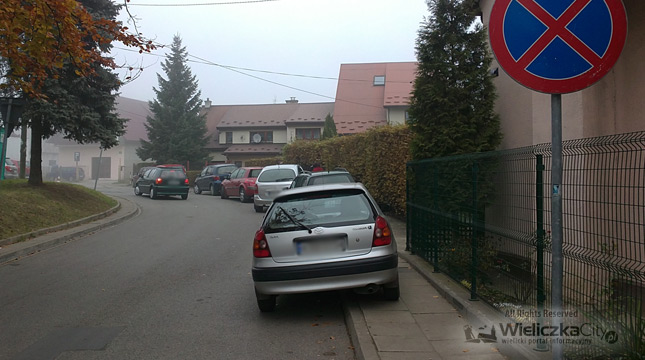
98	172
556	217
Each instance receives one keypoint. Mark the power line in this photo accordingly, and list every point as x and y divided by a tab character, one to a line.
205	4
236	69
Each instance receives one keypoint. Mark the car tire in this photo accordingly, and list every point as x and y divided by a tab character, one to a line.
258	208
222	192
137	190
184	196
266	303
212	190
243	198
391	292
196	189
153	193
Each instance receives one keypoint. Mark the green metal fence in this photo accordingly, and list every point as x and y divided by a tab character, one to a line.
484	219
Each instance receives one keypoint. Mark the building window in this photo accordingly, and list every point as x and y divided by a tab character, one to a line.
407	116
229	137
379	80
308	134
261	137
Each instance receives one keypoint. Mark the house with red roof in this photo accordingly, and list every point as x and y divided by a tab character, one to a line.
243	132
373	94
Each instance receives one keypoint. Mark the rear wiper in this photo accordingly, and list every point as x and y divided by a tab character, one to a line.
294	220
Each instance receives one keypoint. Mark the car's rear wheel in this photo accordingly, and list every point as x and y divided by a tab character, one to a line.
137	190
391	291
222	192
196	189
212	189
153	193
266	303
258	208
243	195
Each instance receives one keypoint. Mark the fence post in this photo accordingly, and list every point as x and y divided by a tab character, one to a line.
474	231
539	215
408	223
433	222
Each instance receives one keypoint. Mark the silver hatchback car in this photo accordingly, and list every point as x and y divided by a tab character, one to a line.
320	238
271	181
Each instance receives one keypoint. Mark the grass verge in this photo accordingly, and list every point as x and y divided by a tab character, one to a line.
25	208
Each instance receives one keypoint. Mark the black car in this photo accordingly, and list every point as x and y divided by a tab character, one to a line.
67	173
321	178
162	182
210	179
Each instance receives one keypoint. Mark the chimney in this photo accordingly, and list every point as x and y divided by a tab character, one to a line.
292	100
207	103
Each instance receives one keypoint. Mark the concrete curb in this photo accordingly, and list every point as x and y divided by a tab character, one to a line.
44	239
36	233
364	347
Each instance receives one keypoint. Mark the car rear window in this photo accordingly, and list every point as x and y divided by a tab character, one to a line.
172	174
254	172
313	210
225	169
277	175
330	179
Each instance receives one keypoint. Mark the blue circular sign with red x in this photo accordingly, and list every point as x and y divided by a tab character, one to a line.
557	46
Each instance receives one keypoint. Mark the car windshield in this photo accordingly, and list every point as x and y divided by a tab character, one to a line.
277	175
313	210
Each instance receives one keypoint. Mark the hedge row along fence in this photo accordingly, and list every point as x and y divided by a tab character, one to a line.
377	158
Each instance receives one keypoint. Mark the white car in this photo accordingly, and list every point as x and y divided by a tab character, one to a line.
320	238
271	181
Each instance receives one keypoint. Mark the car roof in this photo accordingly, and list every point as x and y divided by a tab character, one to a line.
330	172
220	165
321	188
281	166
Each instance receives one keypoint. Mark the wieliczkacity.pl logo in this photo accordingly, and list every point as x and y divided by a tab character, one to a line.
560	330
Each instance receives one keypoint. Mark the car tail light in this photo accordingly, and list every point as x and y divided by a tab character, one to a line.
158	181
186	182
215	178
382	233
260	245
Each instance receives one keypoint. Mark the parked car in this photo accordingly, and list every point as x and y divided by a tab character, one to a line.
211	178
67	173
10	170
241	183
320	178
27	167
321	238
162	182
139	174
271	181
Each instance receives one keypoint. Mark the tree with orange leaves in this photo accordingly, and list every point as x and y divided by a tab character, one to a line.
54	53
38	36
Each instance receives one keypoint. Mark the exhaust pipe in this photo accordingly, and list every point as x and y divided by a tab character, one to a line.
368	289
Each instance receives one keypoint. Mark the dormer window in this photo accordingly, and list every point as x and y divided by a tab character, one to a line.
379	80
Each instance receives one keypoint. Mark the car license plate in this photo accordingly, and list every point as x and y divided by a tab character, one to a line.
321	246
173	182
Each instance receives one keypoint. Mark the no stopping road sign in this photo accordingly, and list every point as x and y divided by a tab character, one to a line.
557	46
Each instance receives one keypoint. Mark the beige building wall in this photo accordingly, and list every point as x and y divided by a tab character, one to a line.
612	105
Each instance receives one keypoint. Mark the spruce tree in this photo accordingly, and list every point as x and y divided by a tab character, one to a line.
452	104
176	129
329	130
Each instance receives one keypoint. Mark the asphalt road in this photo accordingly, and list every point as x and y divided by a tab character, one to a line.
171	283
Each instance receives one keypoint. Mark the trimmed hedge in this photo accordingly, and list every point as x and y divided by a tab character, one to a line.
377	158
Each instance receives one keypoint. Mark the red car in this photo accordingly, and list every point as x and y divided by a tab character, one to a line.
241	183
